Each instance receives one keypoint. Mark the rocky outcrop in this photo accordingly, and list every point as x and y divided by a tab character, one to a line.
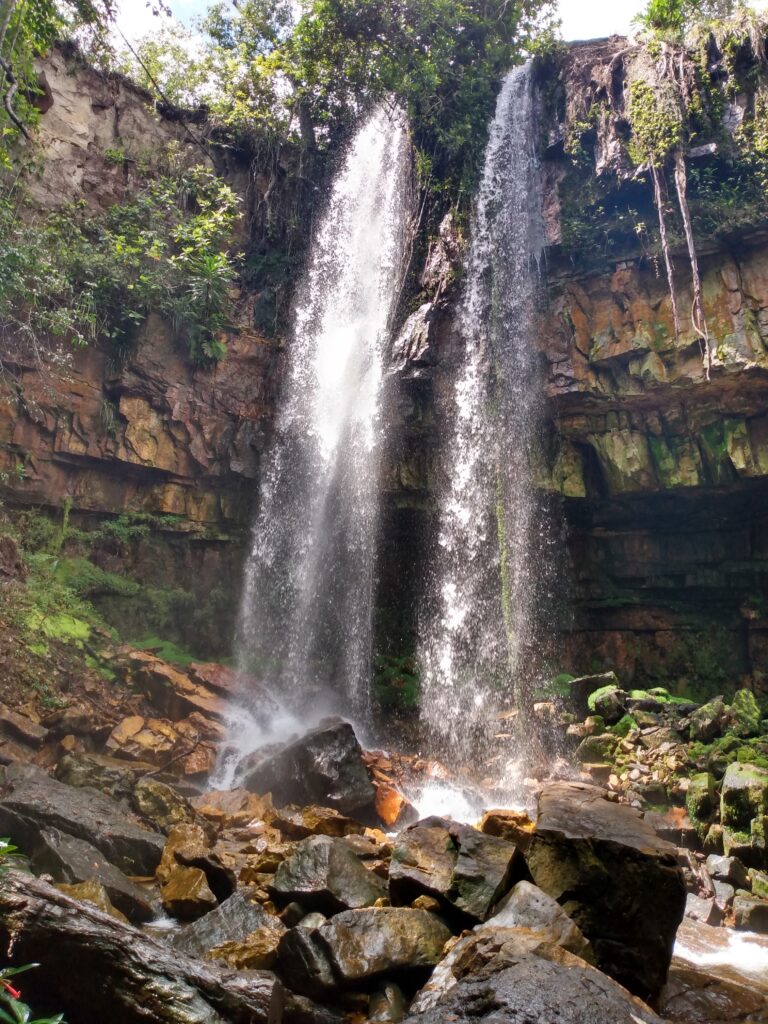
324	766
594	856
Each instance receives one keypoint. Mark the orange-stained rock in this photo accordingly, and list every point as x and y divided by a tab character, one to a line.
514	826
391	806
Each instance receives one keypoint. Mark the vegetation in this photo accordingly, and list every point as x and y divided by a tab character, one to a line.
79	276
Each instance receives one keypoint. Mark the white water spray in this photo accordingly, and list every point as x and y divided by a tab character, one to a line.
480	632
305	619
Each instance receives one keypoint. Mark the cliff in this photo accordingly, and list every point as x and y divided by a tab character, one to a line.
661	474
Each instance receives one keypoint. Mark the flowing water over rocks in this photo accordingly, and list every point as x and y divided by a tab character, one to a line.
481	630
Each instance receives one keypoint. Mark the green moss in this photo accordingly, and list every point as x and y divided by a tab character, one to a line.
624	726
59	626
745	714
656	123
165	649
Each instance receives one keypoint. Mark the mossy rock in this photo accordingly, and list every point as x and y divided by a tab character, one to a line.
759	882
624	726
743	797
745	714
597	749
709	722
701	798
609	702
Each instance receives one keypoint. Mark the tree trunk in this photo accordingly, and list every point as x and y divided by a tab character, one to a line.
94	968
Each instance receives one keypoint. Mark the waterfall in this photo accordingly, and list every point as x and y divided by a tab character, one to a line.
480	630
305	618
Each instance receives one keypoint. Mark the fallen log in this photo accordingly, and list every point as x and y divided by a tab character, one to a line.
96	969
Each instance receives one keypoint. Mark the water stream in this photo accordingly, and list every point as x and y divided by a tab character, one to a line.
305	618
481	628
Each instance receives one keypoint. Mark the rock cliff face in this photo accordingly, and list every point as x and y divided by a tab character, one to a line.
663	476
150	433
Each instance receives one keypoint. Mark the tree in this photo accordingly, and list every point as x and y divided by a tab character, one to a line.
673	17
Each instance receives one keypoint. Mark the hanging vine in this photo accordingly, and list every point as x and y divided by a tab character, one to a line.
659	101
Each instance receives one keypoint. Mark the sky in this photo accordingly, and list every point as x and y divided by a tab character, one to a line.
582	19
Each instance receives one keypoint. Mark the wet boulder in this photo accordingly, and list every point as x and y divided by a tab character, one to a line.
161	804
324	874
615	878
466	870
36	801
511	975
325	766
186	894
111	776
187	846
73	861
527	906
300	822
92	892
360	946
231	922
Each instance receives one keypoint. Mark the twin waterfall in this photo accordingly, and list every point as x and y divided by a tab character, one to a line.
305	626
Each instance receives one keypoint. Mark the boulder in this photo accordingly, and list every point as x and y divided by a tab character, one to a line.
187	846
161	804
325	766
22	728
186	894
745	714
581	688
232	807
615	878
73	861
743	796
728	869
610	702
750	914
171	690
92	892
597	749
257	951
111	776
300	822
39	801
467	870
708	722
514	976
526	906
360	946
392	807
231	922
701	797
514	826
707	911
324	874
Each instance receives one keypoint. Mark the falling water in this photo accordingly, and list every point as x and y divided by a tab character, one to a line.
480	631
305	619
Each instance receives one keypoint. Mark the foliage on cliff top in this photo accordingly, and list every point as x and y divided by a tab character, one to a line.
441	60
78	276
